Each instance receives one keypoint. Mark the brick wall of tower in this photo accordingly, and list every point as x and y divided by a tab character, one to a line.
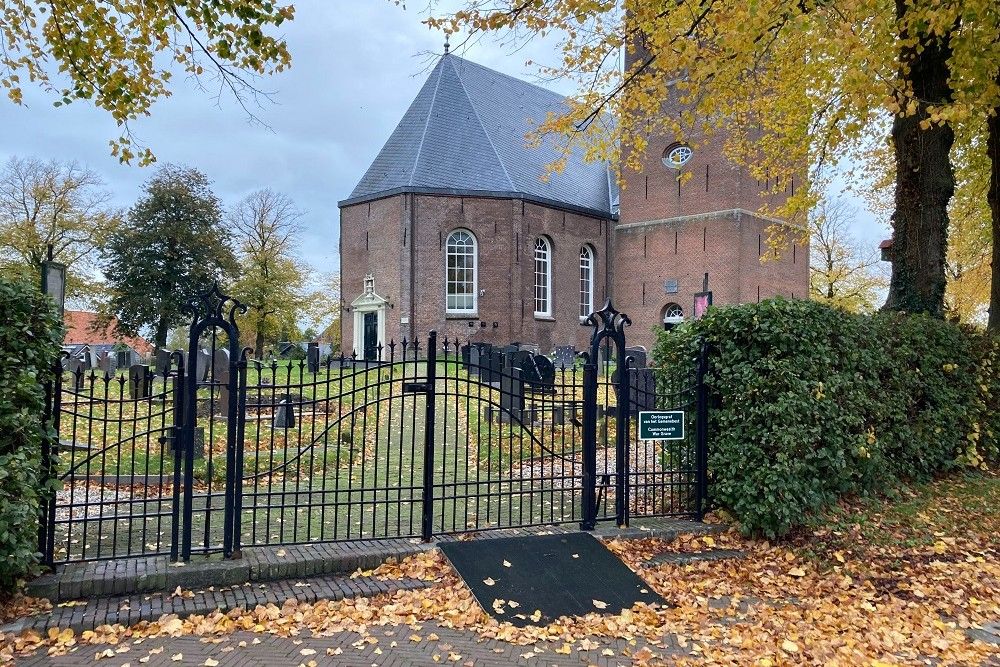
685	248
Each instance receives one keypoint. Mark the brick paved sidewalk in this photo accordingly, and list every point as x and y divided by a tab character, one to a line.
400	646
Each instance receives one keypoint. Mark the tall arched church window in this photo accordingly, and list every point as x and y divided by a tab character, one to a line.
461	288
587	270
543	277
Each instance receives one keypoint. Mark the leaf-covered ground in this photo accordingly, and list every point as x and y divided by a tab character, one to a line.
905	583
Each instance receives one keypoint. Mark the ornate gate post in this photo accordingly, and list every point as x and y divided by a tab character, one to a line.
610	324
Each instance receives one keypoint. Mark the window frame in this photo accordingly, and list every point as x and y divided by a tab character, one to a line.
587	254
448	283
546	246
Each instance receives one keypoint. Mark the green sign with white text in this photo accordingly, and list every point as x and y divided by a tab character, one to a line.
661	425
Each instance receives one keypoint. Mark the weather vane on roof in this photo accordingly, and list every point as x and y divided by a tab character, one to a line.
446	44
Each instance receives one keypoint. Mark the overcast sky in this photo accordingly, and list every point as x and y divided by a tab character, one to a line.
355	68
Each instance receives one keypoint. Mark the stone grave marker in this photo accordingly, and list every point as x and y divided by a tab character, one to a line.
220	364
88	358
546	373
312	357
564	356
641	389
492	367
284	414
77	370
162	363
107	363
202	364
139	382
511	395
639	354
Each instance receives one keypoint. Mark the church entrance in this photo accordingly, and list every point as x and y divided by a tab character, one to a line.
371	336
369	323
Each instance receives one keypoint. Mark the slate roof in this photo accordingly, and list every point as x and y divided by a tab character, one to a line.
465	132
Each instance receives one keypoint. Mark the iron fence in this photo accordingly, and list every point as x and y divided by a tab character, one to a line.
216	451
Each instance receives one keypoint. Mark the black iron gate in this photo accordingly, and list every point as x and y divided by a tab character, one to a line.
213	450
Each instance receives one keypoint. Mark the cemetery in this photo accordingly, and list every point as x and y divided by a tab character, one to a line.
210	451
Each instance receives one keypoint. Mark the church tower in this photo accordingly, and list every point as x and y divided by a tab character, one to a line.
689	220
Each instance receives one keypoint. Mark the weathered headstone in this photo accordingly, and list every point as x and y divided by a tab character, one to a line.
107	363
511	395
546	373
220	368
466	351
123	358
88	358
641	389
284	414
531	347
312	357
162	364
202	364
638	354
509	350
491	368
139	382
564	357
77	371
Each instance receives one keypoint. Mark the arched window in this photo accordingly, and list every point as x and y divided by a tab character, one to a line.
461	280
587	267
543	277
672	313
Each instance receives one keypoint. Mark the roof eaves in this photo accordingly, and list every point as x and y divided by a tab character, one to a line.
485	194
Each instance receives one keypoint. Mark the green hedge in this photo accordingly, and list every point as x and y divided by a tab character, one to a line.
811	403
30	338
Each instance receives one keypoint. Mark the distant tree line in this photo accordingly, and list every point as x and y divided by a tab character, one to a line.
139	267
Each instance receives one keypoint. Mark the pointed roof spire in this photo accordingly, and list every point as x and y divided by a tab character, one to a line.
447	46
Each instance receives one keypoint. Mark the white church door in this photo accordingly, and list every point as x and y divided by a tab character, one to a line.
369	322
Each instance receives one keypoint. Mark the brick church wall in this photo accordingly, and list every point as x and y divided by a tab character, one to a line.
505	231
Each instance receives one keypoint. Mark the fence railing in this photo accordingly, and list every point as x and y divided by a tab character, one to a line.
216	452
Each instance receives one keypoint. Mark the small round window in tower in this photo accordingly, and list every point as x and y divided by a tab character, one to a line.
677	155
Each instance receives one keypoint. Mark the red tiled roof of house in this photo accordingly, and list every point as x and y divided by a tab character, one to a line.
81	330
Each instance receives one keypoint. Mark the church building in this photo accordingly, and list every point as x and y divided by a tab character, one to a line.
457	226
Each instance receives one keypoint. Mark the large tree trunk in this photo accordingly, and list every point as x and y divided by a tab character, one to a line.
160	336
993	197
925	183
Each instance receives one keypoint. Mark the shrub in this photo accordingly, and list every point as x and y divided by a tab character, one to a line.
811	403
30	339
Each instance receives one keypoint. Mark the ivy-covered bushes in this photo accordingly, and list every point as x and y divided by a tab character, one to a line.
30	338
810	403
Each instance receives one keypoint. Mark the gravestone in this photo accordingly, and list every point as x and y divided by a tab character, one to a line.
641	389
491	368
466	351
509	350
220	365
88	358
202	364
162	364
312	357
511	396
546	374
123	358
639	354
106	363
77	370
531	347
139	382
564	356
284	414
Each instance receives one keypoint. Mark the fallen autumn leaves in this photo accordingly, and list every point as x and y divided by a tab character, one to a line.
831	597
